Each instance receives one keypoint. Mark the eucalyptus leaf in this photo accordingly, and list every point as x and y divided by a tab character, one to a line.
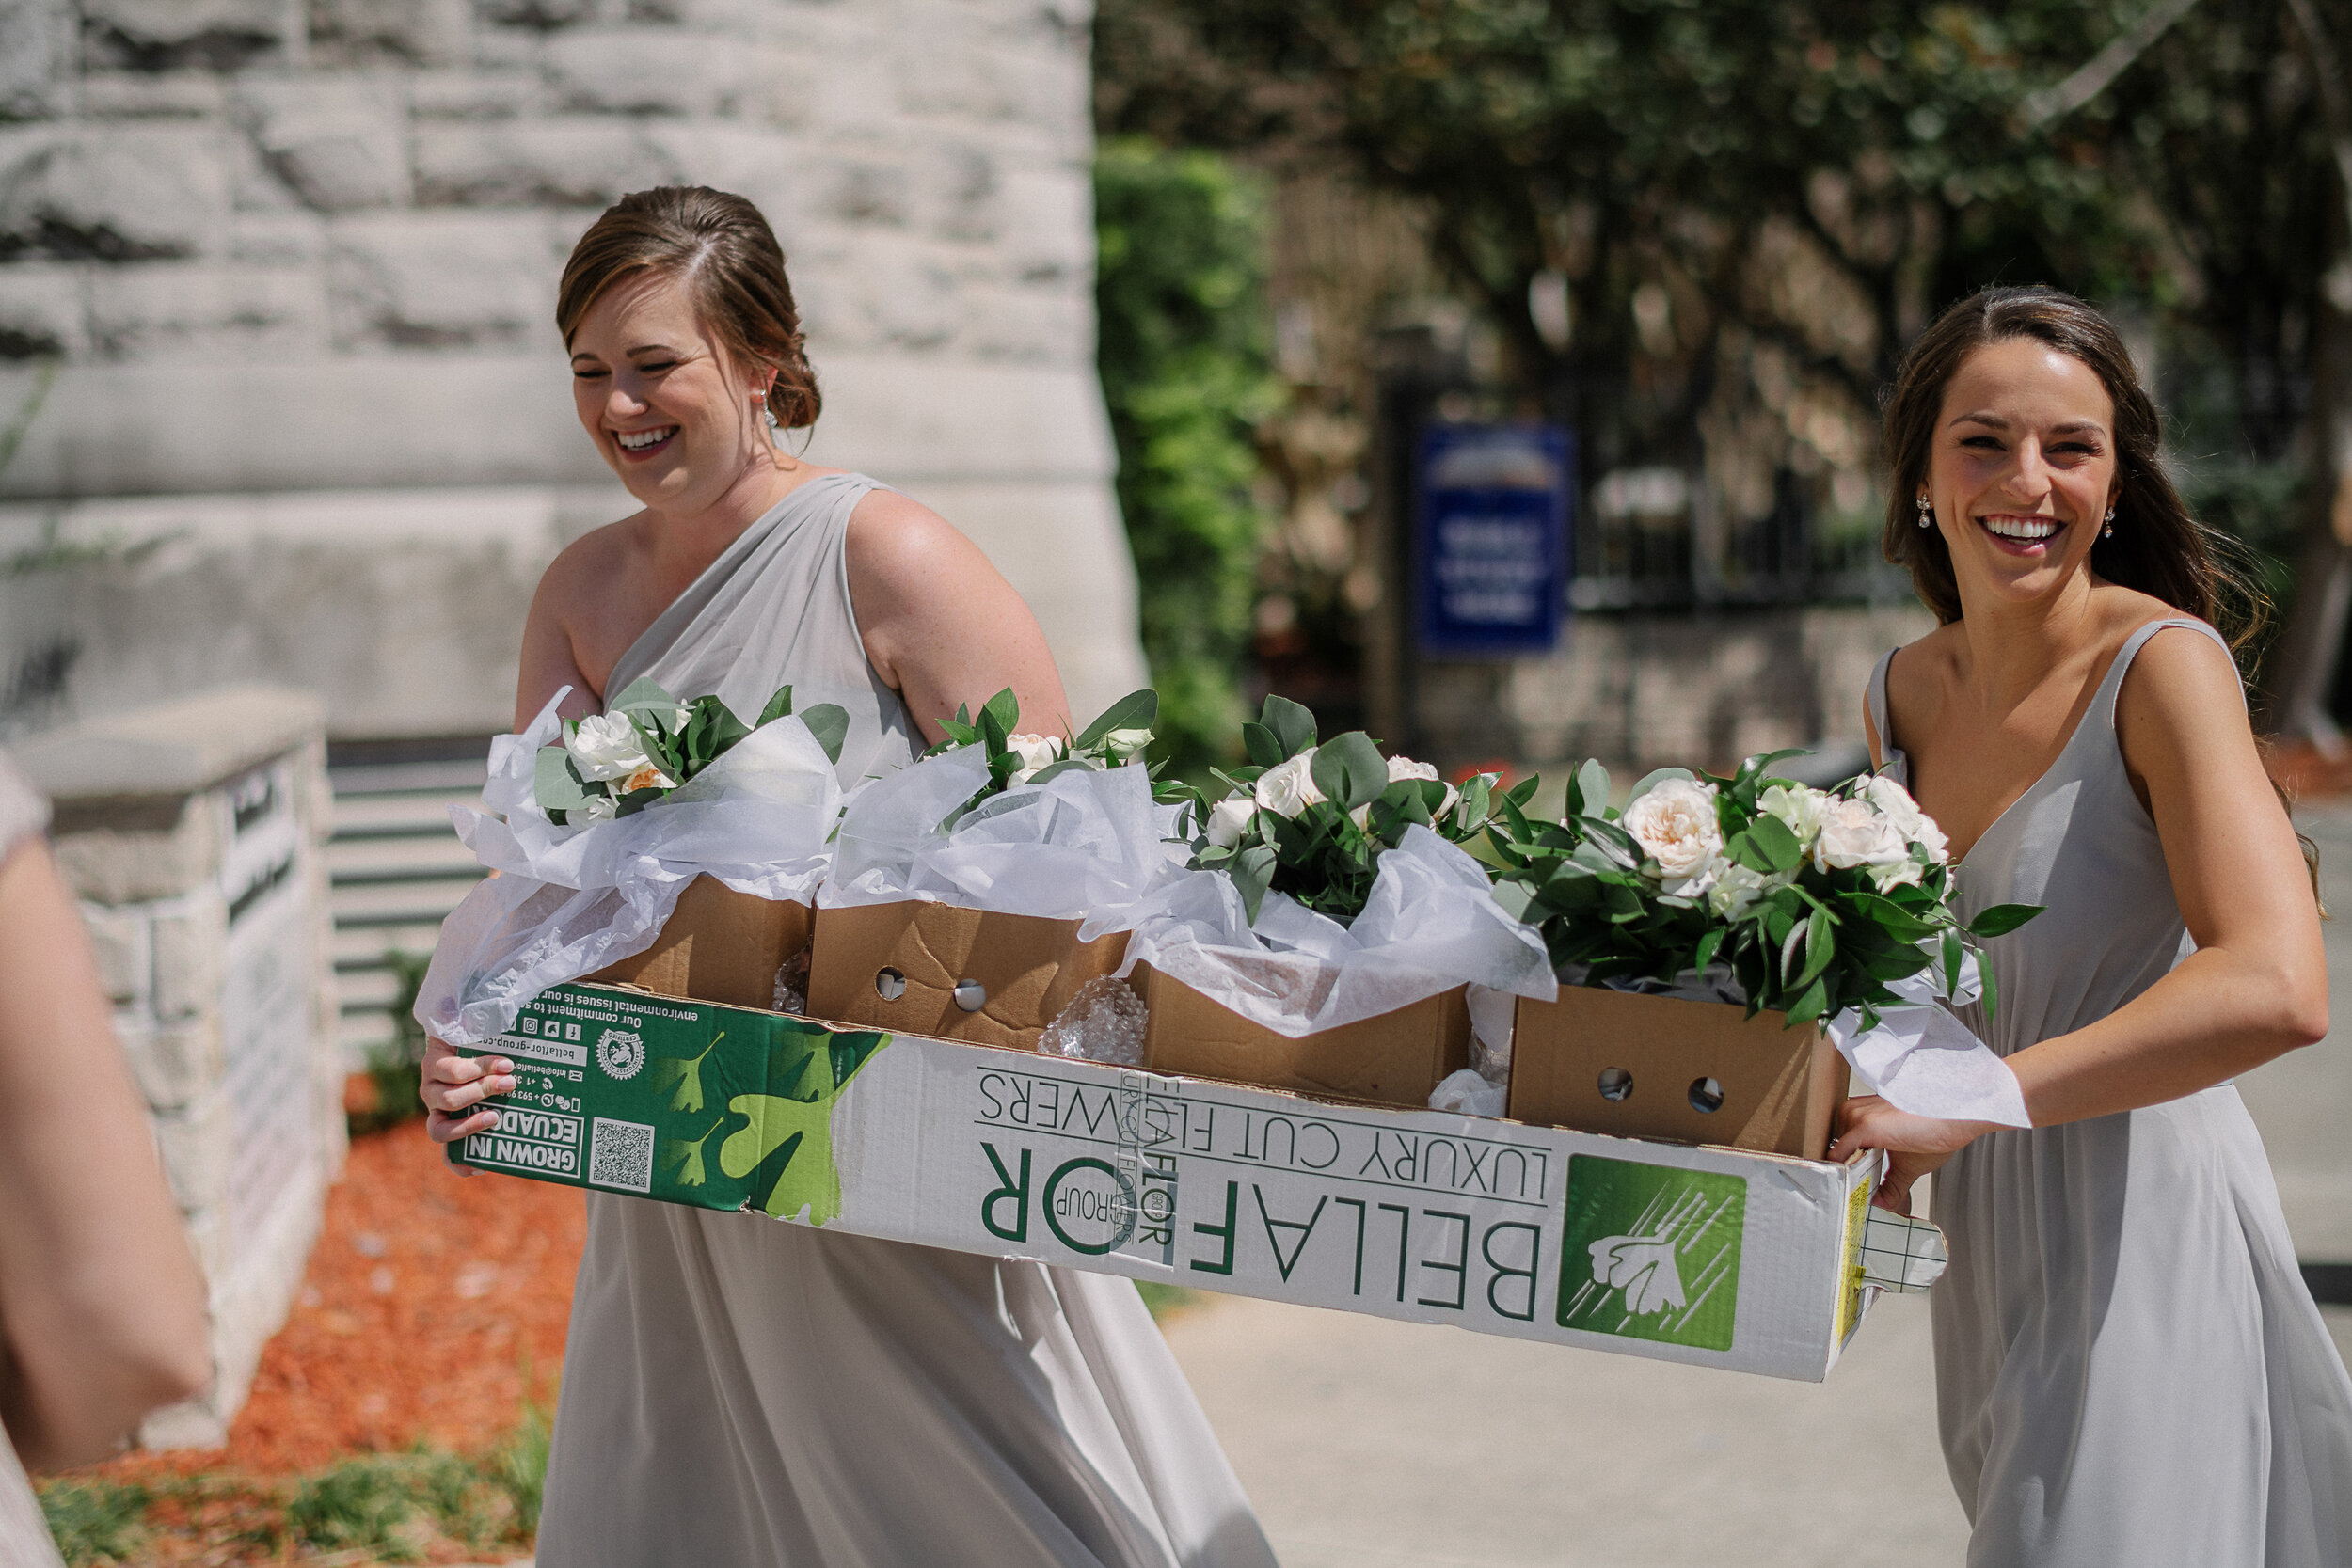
1137	711
1292	726
1655	777
1261	746
829	725
555	784
1252	871
1591	787
1350	771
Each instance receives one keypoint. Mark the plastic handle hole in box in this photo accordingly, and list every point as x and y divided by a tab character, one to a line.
1615	1084
889	984
1706	1096
971	995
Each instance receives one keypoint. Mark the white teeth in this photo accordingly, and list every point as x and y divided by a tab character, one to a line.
638	440
2022	528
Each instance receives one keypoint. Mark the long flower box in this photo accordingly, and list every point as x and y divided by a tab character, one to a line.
1740	1259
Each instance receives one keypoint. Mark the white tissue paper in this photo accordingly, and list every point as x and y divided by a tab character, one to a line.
567	901
1086	844
1925	1060
1431	924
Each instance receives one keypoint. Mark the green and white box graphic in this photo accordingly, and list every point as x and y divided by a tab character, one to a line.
1652	1252
1714	1256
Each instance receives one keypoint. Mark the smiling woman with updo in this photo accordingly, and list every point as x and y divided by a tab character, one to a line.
738	1392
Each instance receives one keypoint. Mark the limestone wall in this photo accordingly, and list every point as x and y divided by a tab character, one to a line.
298	258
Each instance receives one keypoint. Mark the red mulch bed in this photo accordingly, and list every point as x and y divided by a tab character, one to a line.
429	1298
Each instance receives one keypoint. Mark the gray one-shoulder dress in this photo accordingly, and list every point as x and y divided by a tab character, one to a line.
2129	1368
742	1392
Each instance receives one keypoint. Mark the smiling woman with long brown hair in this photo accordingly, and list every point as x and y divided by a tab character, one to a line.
738	1391
2129	1368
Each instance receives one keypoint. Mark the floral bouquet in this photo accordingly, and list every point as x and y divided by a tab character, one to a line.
1818	902
1119	736
1311	818
647	745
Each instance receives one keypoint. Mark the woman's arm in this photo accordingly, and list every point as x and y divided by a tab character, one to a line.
103	1304
940	623
2255	987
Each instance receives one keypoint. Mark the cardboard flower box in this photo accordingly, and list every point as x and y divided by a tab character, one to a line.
921	967
1725	1257
1658	1067
719	945
1394	1059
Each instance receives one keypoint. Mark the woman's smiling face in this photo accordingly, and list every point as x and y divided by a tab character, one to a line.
674	419
2023	470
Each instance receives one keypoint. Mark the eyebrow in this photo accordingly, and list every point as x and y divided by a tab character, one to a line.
1996	422
640	348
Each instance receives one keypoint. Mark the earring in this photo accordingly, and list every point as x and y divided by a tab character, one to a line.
775	430
2108	532
1926	513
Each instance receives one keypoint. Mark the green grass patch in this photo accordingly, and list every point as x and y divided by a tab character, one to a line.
1163	1300
95	1521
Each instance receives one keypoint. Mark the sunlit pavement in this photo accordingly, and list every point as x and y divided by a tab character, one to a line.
1368	1443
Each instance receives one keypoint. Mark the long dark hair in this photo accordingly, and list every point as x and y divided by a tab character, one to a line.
722	248
2157	547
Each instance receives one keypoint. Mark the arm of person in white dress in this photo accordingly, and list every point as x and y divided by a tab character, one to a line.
2255	987
940	625
102	1300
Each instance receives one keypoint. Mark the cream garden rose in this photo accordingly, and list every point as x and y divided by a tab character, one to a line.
1288	788
1895	802
1799	807
1228	819
1674	824
1036	751
607	745
1855	833
1126	745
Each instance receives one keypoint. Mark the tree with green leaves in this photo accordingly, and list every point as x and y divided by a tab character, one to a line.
1183	344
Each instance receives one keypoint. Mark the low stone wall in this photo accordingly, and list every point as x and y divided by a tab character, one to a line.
1654	690
192	834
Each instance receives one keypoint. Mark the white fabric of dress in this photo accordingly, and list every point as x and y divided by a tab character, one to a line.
738	1391
25	1540
2129	1368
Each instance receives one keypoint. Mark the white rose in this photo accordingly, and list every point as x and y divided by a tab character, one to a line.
1901	810
1400	769
1799	808
1890	874
1228	818
1853	833
1035	751
1288	788
647	777
1126	745
605	746
1737	888
1676	826
596	808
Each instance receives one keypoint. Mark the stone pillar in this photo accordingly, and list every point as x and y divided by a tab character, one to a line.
191	832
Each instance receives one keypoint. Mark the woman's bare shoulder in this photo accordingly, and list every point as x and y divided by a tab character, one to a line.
586	571
1925	663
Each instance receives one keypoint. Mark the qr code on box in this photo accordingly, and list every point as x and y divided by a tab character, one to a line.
620	1154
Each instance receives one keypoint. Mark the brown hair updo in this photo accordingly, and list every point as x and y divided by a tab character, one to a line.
2157	547
720	247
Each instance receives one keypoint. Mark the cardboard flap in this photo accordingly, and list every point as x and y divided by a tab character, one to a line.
1028	969
719	945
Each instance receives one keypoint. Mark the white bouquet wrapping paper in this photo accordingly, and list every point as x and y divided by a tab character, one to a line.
1088	844
567	901
1430	923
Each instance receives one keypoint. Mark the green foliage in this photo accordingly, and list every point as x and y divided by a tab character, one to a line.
95	1521
1119	735
1183	353
520	1465
1315	830
395	1070
679	740
1799	933
1163	1300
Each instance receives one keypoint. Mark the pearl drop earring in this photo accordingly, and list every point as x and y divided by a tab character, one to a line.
1926	513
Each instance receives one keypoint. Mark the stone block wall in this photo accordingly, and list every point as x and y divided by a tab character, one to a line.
192	834
297	260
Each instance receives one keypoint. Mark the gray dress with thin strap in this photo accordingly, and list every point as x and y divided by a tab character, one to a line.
2129	1368
738	1391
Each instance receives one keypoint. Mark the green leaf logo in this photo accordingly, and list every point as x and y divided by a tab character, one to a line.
1652	1252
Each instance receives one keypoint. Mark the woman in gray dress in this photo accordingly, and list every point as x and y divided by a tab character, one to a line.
738	1391
2129	1368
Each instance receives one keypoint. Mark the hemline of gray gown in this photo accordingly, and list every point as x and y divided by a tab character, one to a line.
741	1391
2130	1372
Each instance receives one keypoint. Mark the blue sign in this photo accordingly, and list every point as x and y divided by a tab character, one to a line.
1493	538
